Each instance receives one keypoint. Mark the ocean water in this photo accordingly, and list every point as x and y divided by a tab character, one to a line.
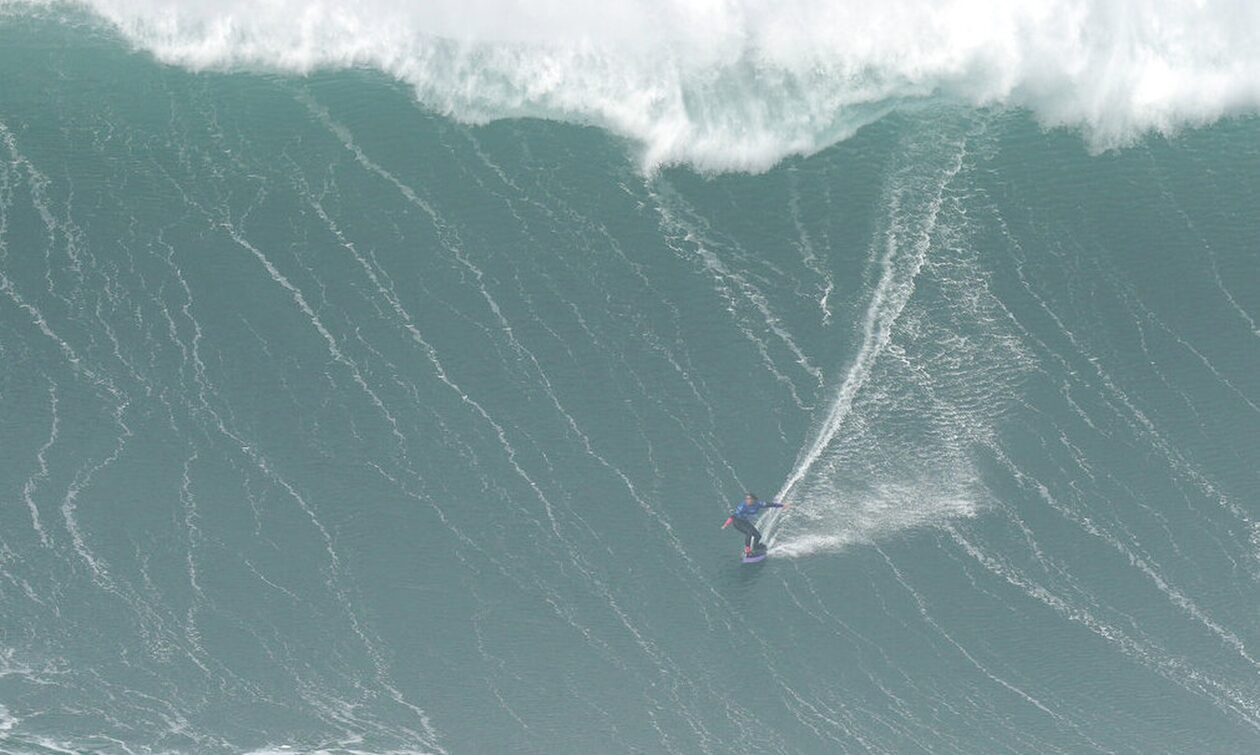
377	378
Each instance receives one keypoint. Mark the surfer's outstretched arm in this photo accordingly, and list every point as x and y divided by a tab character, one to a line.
728	521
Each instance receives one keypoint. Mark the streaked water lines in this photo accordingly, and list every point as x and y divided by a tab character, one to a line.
425	426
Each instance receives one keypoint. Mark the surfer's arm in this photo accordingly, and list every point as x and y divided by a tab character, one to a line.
728	521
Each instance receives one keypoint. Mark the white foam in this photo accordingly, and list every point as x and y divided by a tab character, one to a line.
739	84
7	720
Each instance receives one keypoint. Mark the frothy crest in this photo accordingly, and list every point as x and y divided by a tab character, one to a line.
738	84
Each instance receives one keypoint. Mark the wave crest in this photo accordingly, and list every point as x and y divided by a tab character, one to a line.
737	84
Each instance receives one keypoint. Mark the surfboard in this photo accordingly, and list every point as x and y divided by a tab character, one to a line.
754	557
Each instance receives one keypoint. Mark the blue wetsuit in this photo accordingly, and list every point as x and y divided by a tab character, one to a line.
742	519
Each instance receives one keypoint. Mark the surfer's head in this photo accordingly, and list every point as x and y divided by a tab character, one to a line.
750	497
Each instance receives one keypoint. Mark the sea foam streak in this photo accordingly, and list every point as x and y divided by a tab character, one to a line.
737	84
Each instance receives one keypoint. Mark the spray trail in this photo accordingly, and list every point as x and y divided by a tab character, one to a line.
897	458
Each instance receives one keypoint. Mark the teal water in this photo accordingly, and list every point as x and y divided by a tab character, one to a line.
332	424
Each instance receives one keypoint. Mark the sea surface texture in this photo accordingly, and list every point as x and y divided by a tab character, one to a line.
377	378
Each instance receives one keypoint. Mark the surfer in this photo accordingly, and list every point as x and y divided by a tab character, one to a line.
742	519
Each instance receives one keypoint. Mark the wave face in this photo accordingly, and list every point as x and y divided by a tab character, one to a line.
739	85
330	423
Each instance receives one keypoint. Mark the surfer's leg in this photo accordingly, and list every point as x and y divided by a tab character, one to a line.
752	538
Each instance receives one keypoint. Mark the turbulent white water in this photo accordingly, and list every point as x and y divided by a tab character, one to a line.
737	84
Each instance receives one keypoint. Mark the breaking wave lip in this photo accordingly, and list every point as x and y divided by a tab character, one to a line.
737	84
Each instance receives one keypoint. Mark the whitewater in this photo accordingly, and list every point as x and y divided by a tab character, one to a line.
741	85
376	377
